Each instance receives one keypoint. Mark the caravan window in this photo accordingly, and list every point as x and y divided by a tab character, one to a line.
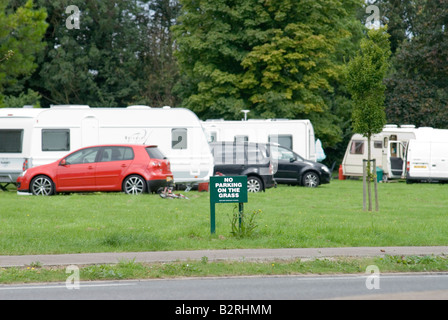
241	139
11	141
284	140
55	140
357	147
378	144
179	138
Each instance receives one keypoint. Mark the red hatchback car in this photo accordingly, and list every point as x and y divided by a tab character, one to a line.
133	169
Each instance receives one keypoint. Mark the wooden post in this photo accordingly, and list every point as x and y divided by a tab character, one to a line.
377	208
364	169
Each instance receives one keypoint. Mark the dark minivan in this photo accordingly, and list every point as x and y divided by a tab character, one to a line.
244	158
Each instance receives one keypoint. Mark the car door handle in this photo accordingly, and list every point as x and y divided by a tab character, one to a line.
123	166
90	167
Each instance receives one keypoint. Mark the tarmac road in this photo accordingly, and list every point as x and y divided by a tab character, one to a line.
405	286
239	289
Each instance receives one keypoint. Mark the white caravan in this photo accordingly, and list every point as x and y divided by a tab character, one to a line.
388	148
297	135
32	137
427	156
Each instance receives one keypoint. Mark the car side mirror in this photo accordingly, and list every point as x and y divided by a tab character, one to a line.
63	162
292	159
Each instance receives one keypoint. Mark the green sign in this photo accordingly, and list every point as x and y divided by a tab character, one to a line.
226	189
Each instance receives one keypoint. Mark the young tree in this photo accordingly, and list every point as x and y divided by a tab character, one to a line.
365	75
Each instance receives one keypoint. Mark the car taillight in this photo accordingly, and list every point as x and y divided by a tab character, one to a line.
168	166
271	168
408	166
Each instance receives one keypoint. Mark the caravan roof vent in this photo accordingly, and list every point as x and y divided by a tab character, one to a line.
70	106
390	126
166	107
139	107
407	126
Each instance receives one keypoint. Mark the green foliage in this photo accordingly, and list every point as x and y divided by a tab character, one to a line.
365	74
417	90
21	34
275	58
243	224
98	64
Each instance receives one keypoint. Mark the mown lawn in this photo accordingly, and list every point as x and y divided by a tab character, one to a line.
329	216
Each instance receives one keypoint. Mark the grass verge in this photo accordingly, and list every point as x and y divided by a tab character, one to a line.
290	217
127	270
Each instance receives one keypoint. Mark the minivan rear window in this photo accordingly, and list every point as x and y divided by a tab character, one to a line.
155	153
11	141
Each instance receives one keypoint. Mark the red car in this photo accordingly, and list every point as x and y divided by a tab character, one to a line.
133	169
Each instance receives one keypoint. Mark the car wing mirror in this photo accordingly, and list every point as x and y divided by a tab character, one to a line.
63	162
292	159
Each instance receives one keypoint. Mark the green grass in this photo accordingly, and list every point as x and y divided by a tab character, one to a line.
329	216
130	270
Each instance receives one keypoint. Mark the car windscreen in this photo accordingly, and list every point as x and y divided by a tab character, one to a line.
155	153
11	141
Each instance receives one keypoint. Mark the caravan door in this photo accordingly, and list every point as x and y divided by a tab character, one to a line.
396	155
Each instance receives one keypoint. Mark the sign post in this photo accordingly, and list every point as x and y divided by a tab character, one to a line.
227	189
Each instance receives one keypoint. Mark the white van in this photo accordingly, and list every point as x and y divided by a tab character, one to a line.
32	137
427	157
388	148
297	135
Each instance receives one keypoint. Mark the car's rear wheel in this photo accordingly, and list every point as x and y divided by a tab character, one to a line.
311	179
254	184
134	185
42	186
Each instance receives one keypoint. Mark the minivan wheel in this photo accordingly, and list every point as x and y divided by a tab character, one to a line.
42	186
134	185
254	184
311	180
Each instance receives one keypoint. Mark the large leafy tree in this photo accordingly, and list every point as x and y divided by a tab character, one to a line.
100	63
161	69
418	88
275	58
21	32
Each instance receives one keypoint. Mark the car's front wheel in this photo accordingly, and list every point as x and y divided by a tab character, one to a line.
134	185
42	186
311	180
254	184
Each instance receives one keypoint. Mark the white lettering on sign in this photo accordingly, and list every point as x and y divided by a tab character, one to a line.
228	188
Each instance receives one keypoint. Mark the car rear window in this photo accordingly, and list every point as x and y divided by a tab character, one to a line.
155	153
